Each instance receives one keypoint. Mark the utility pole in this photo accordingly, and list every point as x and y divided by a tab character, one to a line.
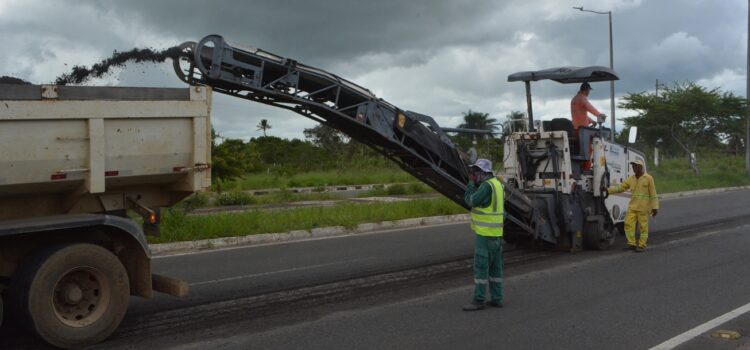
612	82
656	95
747	93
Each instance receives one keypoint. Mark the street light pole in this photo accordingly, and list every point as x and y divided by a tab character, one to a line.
747	93
611	66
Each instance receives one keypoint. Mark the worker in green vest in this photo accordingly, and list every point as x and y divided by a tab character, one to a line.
484	194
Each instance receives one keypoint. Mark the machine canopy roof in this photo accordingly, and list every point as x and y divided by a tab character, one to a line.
567	75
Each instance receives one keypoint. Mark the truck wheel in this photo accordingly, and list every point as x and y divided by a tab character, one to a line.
1	310
71	295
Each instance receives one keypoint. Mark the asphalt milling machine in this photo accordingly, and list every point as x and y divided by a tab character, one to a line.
552	174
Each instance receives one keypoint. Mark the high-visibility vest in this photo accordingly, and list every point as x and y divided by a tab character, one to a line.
488	221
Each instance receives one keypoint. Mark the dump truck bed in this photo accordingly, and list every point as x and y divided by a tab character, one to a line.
69	149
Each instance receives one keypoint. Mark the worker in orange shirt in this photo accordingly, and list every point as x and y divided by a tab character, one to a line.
580	106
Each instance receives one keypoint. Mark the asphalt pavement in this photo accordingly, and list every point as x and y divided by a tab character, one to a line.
623	300
614	299
236	272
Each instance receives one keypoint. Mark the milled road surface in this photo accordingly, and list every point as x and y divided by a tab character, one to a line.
585	300
612	301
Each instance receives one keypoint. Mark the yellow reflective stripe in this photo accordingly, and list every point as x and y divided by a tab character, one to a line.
486	224
477	211
494	196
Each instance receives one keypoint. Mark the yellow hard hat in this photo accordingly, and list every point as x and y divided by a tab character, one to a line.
637	161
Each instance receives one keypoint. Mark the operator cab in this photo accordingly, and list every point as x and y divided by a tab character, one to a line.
578	141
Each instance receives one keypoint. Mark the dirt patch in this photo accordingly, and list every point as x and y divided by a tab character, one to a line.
80	74
13	80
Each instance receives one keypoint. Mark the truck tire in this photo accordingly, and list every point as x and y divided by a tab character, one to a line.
71	295
1	310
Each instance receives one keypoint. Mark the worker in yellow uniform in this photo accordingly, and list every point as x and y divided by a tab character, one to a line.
484	194
643	201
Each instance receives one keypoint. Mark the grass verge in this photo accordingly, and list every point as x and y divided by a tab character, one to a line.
176	226
675	175
318	178
399	190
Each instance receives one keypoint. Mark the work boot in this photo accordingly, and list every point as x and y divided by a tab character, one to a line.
630	247
475	305
495	303
640	249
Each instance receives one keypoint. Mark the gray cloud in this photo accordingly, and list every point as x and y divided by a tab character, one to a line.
438	58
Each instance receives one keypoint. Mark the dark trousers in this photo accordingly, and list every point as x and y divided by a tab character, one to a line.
488	267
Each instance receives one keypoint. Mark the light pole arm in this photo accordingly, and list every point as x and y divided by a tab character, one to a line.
580	8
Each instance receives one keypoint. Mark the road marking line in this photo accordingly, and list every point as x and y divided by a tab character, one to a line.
684	337
234	278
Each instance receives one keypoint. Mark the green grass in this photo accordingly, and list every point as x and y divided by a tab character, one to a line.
208	200
234	198
176	226
318	179
398	190
285	196
675	175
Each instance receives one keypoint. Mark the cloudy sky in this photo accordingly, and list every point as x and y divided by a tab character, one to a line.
439	58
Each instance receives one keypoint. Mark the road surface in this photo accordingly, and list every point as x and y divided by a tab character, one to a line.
317	293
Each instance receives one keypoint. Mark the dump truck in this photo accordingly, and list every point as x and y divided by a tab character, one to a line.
75	161
552	172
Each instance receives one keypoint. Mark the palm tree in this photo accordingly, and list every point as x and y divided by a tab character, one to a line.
480	121
515	121
263	125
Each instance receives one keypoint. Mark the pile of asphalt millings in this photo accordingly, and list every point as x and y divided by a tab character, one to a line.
80	74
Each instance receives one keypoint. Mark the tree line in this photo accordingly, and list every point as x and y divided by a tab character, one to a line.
684	118
324	148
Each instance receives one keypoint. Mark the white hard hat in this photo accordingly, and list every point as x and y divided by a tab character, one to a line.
483	164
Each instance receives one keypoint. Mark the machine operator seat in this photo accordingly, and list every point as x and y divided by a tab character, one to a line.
565	124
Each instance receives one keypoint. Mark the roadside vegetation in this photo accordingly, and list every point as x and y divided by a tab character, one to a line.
399	190
176	226
685	118
676	175
317	178
242	198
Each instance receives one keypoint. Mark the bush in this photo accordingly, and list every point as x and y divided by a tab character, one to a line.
235	198
416	188
396	190
198	200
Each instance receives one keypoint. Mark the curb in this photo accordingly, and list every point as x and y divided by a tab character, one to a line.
700	192
163	249
335	188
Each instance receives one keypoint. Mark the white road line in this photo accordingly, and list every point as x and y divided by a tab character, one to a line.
234	278
684	337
